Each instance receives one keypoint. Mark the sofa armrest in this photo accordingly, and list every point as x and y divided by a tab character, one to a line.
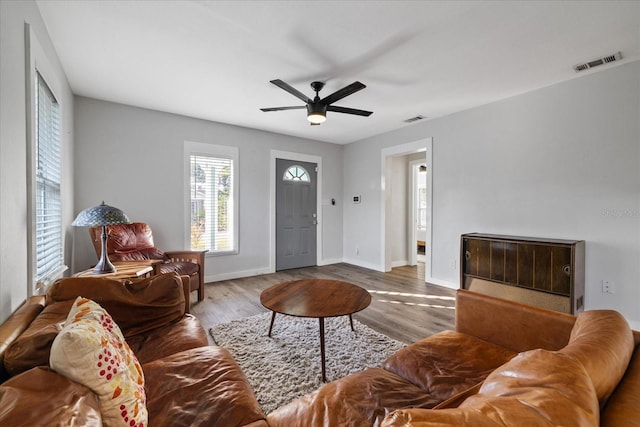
186	289
196	257
512	325
16	324
623	404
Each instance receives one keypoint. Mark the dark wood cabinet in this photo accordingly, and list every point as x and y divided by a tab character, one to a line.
547	273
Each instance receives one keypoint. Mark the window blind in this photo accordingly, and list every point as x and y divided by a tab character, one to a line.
212	203
48	208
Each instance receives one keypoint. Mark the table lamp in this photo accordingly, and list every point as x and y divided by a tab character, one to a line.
102	215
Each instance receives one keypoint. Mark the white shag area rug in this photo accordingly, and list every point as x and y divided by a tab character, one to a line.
287	365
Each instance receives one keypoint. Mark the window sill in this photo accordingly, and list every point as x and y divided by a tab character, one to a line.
220	253
43	284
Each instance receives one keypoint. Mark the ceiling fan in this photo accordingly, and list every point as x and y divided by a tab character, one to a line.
317	108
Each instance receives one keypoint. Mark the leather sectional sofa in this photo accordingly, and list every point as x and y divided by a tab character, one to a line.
505	364
187	382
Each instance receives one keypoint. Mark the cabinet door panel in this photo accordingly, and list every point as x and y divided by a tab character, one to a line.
477	254
542	266
484	258
497	261
511	263
526	257
471	261
561	270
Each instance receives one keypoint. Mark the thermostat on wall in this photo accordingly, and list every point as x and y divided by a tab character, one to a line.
356	199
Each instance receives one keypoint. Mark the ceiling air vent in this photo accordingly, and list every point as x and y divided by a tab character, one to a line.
415	119
598	61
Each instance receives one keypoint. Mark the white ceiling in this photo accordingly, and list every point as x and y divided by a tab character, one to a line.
214	59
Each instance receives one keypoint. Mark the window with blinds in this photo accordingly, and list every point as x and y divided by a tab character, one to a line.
213	203
48	208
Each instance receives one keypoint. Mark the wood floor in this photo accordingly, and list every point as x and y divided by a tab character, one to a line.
403	306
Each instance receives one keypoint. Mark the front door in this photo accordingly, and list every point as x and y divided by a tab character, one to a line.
296	217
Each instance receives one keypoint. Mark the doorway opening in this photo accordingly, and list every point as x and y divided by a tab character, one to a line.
418	214
398	196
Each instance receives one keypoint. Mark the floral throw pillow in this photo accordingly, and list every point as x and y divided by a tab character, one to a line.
91	350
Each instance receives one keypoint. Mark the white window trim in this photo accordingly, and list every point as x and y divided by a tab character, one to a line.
191	148
37	62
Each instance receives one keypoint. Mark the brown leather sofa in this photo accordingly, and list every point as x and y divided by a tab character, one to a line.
187	382
134	242
505	364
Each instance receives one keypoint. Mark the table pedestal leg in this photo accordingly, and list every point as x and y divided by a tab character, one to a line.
273	318
324	376
351	321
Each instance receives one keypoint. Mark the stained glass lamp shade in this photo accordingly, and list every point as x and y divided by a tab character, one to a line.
101	215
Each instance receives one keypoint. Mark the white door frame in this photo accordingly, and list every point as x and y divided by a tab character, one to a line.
288	155
421	145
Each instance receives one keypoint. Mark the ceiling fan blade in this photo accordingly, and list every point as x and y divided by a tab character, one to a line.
293	91
283	108
346	110
345	91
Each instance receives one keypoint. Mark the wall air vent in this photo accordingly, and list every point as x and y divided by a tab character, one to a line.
415	119
598	61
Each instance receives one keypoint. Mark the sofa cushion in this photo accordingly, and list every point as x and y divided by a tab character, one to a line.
183	268
32	347
175	337
536	388
136	306
447	363
91	350
360	399
455	400
199	387
603	342
27	399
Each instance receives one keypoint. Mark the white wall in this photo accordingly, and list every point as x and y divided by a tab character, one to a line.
13	146
562	162
132	158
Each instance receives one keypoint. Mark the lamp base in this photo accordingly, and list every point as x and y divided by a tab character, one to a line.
104	266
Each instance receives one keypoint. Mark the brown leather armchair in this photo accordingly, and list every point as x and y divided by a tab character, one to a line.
134	242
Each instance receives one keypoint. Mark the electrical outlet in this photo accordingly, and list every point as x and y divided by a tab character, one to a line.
452	263
607	287
357	250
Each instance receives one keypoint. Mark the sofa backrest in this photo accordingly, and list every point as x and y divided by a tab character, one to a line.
602	341
127	242
136	307
517	327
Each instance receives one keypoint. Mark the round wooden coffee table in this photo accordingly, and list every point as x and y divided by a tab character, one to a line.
315	298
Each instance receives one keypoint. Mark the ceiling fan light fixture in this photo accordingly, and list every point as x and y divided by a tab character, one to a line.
317	108
316	113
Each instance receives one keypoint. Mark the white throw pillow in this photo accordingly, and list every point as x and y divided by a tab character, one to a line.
91	350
